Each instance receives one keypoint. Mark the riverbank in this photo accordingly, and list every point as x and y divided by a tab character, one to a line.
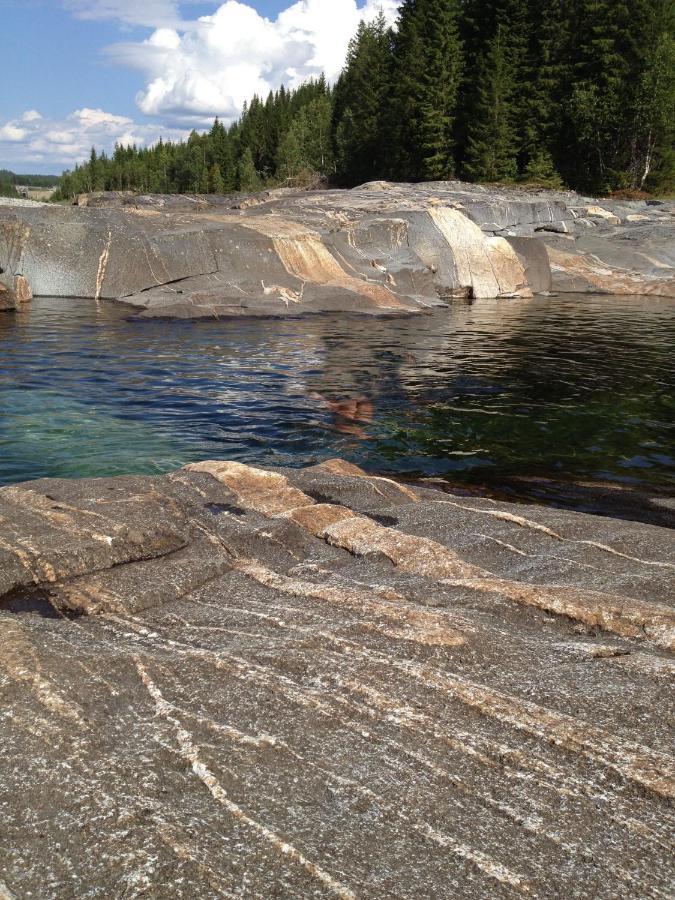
319	683
382	249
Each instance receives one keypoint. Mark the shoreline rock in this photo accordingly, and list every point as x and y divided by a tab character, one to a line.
381	249
322	683
17	295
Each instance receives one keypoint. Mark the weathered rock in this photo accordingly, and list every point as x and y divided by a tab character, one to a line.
237	682
381	249
15	296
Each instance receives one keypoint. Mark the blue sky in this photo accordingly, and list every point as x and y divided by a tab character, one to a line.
90	72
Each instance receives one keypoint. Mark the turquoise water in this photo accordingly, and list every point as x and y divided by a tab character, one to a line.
573	388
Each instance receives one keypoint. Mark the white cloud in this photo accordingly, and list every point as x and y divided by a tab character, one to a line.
13	133
146	13
32	140
197	70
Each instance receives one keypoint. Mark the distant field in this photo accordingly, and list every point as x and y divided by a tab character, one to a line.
35	193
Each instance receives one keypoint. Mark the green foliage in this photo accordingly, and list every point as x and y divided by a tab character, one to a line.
246	156
427	68
361	101
216	183
33	181
7	188
9	180
247	176
540	170
618	112
492	148
553	92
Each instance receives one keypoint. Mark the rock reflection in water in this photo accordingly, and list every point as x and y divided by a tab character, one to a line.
349	415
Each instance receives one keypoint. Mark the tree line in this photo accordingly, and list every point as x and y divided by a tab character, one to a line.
553	92
9	180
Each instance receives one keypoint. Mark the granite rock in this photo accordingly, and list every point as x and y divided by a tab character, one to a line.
383	249
236	682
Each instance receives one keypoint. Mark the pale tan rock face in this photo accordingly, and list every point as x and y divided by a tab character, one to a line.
586	272
231	681
19	294
598	212
486	267
22	290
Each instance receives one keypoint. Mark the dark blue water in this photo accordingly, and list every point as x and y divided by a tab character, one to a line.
573	389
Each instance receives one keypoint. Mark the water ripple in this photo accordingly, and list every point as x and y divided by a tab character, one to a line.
575	388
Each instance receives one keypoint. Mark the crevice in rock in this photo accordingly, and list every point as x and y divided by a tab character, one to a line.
164	284
34	603
217	509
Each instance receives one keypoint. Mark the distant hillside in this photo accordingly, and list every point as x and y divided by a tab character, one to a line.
36	187
38	181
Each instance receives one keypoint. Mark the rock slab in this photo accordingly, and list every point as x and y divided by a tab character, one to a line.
382	249
237	682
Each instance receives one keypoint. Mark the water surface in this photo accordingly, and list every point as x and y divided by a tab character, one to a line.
566	389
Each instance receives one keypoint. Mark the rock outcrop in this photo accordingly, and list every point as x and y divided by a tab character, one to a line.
231	681
380	249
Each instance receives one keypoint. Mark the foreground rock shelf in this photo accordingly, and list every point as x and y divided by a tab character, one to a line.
235	682
384	249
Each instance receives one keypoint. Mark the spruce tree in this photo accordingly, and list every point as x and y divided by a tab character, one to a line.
426	77
361	98
248	178
492	147
497	89
546	76
216	183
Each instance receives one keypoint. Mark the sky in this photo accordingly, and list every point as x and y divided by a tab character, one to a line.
83	73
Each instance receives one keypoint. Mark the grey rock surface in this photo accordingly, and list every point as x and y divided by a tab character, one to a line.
233	682
381	249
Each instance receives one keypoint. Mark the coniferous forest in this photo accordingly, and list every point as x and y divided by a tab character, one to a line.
576	93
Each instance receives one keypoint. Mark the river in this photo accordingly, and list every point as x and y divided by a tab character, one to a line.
535	399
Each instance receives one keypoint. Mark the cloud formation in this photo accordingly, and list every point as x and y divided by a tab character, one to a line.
193	69
32	140
210	66
144	13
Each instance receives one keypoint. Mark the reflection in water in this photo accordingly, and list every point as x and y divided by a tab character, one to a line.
568	388
350	415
